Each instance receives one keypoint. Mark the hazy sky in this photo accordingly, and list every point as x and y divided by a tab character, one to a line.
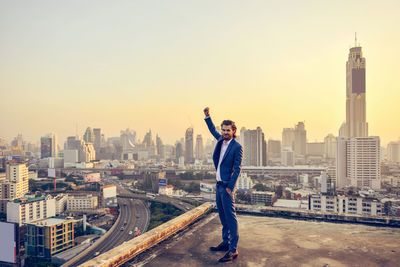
157	64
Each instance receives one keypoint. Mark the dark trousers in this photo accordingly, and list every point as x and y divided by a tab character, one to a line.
227	216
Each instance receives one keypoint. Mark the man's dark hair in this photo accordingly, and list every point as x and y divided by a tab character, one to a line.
231	123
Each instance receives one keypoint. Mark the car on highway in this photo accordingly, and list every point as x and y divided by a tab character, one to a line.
122	228
130	232
97	253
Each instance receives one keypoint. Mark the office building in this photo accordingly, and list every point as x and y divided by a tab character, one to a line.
393	152
274	149
189	146
88	137
330	146
199	147
287	156
300	139
254	147
48	146
315	149
288	138
160	148
49	236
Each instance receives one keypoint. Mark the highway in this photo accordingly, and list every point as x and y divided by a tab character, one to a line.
134	213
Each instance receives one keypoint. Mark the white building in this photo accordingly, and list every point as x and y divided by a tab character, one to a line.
358	162
71	157
330	146
15	185
393	152
244	182
287	157
347	205
61	203
26	210
82	202
363	162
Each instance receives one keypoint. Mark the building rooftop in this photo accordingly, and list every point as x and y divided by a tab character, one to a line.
269	241
50	221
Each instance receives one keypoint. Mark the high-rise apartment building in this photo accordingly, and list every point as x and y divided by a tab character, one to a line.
15	185
28	209
254	147
189	146
356	123
363	162
199	147
300	139
358	162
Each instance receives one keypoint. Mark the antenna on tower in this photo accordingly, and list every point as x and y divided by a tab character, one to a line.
355	39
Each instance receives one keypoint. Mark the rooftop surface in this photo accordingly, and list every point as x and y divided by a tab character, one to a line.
268	241
50	221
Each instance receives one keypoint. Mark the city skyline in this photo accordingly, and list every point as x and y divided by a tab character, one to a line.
123	66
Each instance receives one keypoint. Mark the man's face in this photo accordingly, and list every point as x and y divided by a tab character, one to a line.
227	132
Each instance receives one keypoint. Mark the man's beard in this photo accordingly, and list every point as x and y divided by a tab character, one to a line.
227	137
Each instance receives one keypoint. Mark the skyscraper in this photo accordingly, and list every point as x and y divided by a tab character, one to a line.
356	124
97	138
199	147
189	146
254	147
300	139
48	146
288	138
88	137
393	152
330	146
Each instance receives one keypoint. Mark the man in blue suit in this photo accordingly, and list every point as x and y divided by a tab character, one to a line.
227	159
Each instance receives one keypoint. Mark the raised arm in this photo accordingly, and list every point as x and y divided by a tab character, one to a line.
210	124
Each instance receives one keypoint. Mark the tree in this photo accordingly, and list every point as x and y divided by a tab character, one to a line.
260	187
243	196
278	191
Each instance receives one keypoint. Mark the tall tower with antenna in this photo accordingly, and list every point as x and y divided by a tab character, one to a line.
356	123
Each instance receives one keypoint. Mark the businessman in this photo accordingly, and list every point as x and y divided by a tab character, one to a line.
227	159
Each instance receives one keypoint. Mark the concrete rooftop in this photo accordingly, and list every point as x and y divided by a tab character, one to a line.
267	241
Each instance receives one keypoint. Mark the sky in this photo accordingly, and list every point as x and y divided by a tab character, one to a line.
67	65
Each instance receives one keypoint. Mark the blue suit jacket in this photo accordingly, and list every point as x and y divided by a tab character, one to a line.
232	161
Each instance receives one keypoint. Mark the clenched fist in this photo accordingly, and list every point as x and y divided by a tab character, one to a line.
207	111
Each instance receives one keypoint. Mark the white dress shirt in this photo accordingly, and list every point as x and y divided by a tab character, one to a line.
224	146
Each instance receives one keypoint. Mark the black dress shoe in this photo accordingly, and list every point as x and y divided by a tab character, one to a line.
220	247
229	256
